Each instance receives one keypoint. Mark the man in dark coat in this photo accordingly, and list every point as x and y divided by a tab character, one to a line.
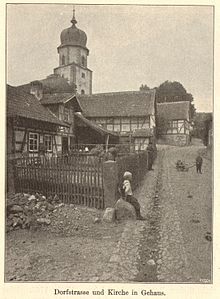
199	164
150	151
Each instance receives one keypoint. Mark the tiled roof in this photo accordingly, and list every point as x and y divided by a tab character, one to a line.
173	110
20	103
56	98
94	126
51	84
130	103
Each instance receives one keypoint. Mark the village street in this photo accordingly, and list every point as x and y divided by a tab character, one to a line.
173	244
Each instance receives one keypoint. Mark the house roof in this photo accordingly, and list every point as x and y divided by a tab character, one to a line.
115	104
20	103
56	98
173	110
51	84
94	126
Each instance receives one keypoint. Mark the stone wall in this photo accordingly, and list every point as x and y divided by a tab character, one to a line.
177	139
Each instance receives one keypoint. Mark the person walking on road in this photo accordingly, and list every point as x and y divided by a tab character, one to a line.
199	161
150	151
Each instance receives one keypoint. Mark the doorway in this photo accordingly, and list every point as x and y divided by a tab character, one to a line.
65	146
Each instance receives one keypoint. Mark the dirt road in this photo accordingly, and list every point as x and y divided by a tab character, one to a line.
174	244
181	220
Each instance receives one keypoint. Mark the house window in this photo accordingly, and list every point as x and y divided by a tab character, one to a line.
66	114
175	126
83	75
109	127
181	126
33	142
82	91
134	124
48	143
117	125
144	123
125	125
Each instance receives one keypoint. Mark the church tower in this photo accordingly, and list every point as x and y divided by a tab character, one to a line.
73	57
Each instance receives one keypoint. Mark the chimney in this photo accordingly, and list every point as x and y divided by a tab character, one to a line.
37	89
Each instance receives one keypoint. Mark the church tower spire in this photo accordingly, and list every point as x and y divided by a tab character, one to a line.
73	56
74	21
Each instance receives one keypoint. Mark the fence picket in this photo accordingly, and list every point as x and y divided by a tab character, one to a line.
75	179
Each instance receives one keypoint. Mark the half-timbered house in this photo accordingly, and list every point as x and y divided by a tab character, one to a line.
55	94
80	131
31	128
173	123
130	114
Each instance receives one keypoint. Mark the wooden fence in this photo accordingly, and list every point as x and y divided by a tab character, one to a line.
80	178
74	179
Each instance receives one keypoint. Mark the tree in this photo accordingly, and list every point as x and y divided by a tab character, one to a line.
201	126
144	87
162	126
174	92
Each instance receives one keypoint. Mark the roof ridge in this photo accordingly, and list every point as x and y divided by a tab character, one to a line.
118	92
173	102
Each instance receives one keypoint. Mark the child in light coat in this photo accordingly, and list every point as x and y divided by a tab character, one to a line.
128	194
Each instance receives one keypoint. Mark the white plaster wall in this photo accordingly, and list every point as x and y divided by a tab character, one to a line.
83	83
66	72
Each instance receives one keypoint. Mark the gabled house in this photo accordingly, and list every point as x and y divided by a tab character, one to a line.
63	105
55	94
80	131
131	114
31	128
173	123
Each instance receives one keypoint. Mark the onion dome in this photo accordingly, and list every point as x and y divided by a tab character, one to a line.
73	36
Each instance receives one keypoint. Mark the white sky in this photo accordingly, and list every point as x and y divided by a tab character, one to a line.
129	45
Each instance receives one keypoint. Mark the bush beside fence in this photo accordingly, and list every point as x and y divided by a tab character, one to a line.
137	164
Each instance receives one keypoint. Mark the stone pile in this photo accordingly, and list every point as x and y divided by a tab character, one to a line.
29	211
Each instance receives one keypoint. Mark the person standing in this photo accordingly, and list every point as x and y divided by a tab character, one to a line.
150	151
199	161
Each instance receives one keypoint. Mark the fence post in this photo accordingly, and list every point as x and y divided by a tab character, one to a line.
110	183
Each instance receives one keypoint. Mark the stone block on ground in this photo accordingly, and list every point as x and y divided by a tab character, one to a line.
16	209
124	210
109	215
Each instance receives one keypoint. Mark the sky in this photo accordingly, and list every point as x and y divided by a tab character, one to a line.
129	45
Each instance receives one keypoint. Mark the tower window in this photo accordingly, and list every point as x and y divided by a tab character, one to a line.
83	61
82	91
63	60
83	75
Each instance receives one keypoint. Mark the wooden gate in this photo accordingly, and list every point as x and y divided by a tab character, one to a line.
74	179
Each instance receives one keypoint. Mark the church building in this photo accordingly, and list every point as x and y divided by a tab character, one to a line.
106	118
73	57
